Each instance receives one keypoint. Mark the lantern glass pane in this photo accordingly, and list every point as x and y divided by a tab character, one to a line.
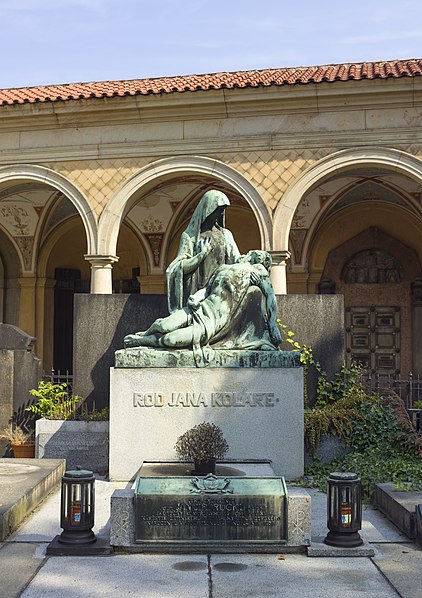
65	502
334	505
76	507
346	506
88	499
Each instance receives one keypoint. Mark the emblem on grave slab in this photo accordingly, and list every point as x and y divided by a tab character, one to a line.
211	484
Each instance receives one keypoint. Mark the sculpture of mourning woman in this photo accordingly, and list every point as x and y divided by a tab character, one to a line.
218	299
204	246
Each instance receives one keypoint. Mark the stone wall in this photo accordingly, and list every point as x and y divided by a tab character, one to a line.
101	322
20	371
317	321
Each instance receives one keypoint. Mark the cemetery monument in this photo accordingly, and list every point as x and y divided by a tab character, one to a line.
214	358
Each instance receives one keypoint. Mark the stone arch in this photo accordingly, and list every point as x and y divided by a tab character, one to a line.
390	159
324	213
44	175
397	222
120	204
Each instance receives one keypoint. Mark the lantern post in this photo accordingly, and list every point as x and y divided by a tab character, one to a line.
77	508
344	510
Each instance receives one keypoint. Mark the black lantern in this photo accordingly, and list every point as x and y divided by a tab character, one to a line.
77	507
77	518
344	510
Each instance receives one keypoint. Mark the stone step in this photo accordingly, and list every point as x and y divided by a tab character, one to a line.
24	483
399	506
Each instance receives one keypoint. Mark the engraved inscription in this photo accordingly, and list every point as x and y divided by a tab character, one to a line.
201	399
210	511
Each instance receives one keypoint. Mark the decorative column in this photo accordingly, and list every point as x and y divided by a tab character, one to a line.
101	273
27	285
278	271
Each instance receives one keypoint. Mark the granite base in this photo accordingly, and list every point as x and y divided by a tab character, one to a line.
122	519
259	409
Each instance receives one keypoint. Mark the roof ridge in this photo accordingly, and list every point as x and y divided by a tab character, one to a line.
409	67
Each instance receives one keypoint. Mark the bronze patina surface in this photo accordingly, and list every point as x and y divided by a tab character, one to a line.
215	508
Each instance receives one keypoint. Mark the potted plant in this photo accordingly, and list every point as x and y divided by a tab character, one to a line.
21	441
203	444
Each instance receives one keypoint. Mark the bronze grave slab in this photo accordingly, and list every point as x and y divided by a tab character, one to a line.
222	509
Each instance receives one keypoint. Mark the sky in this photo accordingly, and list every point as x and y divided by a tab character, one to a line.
66	41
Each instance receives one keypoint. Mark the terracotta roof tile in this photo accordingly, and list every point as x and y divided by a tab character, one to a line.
229	80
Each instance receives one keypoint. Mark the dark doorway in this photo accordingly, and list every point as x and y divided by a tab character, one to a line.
68	282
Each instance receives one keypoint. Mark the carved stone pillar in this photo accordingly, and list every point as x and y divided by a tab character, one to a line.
101	273
27	304
278	271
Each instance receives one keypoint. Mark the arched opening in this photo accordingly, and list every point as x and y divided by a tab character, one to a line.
51	226
65	272
358	234
159	216
170	171
374	272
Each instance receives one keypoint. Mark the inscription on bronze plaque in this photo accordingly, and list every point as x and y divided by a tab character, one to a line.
240	510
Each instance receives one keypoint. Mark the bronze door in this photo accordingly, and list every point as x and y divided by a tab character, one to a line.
373	338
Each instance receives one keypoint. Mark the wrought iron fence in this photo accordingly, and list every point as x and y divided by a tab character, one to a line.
58	377
408	389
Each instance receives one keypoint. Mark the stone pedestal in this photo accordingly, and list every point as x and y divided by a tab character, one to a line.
82	443
259	409
297	502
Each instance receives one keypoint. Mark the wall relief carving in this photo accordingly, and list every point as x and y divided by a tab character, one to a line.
372	266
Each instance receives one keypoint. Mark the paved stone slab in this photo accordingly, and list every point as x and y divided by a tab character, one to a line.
319	549
376	527
143	576
402	565
18	565
44	523
296	576
24	483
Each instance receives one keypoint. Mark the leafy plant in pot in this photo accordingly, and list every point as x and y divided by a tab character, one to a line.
53	401
203	444
20	440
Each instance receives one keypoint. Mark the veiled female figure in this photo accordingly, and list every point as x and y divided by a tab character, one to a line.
204	246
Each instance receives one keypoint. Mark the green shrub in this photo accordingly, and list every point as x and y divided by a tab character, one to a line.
382	449
383	445
54	401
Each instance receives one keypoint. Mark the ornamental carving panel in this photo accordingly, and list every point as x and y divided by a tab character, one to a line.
372	266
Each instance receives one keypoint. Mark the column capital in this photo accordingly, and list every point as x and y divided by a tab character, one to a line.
101	260
280	256
101	273
278	270
27	281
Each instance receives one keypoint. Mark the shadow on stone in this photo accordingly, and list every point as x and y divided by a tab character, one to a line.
189	566
229	567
